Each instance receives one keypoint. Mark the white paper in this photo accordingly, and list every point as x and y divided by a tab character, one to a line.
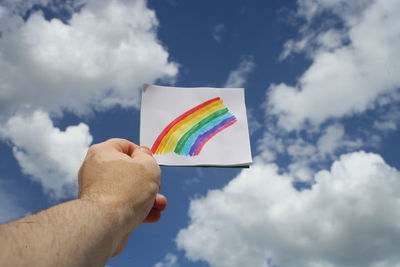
224	143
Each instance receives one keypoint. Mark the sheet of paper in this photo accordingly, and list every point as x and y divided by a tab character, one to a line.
195	126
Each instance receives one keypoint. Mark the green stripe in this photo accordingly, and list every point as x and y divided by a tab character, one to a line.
182	141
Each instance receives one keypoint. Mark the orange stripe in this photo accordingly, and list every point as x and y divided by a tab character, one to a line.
181	117
171	139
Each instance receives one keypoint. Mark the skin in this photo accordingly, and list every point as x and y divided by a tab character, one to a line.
118	190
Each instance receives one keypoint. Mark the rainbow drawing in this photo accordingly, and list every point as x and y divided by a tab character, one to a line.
188	133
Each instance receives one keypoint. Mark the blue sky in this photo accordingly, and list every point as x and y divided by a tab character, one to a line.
322	83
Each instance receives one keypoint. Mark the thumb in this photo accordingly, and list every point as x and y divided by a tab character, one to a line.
143	154
146	150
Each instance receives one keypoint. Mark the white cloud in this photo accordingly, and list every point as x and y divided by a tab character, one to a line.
344	78
333	139
385	125
170	260
313	43
237	77
98	59
302	154
330	39
306	152
347	218
269	146
254	124
45	153
329	142
389	120
309	9
217	32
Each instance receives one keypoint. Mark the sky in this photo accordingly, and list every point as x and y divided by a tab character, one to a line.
322	88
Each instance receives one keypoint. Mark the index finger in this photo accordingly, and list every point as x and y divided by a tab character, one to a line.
122	145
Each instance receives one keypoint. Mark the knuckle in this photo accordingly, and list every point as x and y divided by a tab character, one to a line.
114	139
150	170
154	188
93	148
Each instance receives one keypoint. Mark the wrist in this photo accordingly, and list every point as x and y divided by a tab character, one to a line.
117	216
107	218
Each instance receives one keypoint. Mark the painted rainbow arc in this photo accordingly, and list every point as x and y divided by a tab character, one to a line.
188	133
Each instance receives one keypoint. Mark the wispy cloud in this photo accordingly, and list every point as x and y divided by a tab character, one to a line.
254	124
218	31
238	77
170	260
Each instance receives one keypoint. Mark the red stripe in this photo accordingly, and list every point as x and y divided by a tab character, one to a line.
209	137
181	117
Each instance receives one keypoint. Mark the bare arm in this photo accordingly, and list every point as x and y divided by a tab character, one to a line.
118	185
75	233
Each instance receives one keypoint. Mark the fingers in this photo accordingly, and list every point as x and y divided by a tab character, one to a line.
153	216
121	145
142	154
146	150
141	151
160	204
127	147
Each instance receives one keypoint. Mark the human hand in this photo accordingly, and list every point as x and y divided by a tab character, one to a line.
123	179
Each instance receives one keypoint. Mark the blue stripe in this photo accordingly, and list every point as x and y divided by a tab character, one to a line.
192	139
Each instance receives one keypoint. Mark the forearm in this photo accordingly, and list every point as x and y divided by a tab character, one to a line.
118	185
75	233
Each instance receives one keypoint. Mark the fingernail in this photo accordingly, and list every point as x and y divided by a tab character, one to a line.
145	149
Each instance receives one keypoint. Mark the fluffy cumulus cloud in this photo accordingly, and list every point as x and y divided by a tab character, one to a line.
97	58
259	219
343	215
351	68
92	55
46	153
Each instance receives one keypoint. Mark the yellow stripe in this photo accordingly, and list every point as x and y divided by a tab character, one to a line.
164	141
167	144
171	139
176	135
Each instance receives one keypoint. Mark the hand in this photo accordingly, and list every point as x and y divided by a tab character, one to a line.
123	179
